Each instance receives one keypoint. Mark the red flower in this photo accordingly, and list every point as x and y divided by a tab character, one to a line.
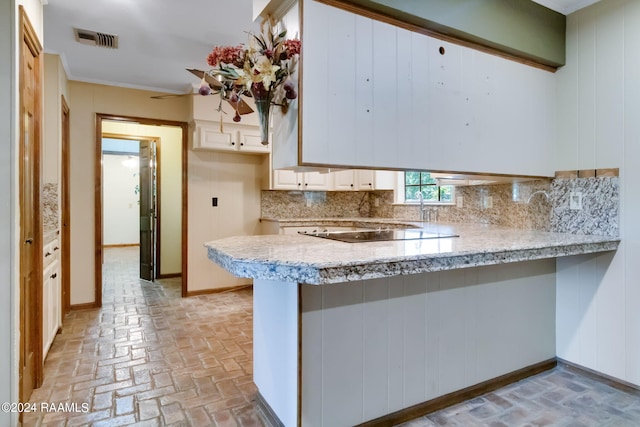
232	55
291	47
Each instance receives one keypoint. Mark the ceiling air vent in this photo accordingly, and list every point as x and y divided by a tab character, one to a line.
95	38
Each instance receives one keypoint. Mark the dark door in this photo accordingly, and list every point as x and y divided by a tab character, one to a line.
30	235
147	210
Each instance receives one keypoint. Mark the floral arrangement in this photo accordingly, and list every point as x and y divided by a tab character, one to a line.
261	70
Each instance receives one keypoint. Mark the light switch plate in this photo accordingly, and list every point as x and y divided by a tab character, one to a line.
459	202
488	202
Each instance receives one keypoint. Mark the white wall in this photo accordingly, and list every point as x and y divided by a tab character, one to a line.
55	85
598	297
121	208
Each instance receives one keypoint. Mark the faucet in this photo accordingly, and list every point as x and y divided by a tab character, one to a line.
546	195
422	208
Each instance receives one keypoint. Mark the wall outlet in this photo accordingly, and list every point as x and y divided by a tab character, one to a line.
376	202
308	202
488	202
575	200
459	202
214	201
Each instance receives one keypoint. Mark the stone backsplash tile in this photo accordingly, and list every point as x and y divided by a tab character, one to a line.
50	208
523	205
326	204
600	213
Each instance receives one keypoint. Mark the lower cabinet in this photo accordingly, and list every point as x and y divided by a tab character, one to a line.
51	297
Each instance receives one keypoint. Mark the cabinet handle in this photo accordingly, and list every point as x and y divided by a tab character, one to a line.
56	248
242	144
54	275
29	241
233	143
351	185
47	254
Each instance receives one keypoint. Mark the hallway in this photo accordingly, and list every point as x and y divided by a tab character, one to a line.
151	358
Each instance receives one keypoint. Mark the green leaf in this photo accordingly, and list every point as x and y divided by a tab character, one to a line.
282	34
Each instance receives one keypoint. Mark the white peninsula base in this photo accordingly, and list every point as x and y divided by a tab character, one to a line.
343	354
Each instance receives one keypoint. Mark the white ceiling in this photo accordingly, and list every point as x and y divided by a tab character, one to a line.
158	39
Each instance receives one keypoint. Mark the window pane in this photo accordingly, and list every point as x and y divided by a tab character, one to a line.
425	178
430	193
411	192
411	178
446	193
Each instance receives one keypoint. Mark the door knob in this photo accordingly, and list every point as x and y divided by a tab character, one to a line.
29	241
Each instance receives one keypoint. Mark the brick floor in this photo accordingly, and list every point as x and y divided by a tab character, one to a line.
151	358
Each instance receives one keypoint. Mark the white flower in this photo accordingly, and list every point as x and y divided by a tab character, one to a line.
266	71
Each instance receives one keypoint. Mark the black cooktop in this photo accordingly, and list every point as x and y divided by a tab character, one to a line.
379	235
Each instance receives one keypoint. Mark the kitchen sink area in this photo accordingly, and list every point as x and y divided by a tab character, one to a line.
377	235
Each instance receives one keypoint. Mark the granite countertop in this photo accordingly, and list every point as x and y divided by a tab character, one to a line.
312	260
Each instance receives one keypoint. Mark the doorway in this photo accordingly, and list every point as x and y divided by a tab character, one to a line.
130	207
168	255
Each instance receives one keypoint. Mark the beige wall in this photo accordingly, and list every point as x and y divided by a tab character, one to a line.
55	86
170	144
85	100
235	179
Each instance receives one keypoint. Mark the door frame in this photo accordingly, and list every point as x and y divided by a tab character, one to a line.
98	196
158	212
65	243
28	36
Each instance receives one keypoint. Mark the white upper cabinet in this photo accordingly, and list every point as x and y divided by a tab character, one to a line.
228	137
377	96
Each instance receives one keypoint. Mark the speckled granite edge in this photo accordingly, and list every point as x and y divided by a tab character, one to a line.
320	275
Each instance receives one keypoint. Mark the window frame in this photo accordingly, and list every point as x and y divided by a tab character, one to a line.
401	187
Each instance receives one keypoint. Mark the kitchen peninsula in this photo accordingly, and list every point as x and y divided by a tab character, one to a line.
347	333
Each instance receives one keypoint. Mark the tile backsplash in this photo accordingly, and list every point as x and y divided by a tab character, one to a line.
50	207
537	204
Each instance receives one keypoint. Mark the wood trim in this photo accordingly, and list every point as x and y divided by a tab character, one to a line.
98	193
158	210
169	275
216	290
299	404
27	36
84	306
65	256
122	245
598	376
379	16
97	196
588	173
459	396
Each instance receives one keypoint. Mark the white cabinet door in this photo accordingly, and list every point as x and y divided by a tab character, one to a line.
50	305
251	142
316	181
286	180
365	179
344	180
213	138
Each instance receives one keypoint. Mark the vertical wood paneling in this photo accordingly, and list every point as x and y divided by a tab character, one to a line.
341	85
343	350
396	345
600	302
414	309
630	203
364	90
420	113
382	345
586	92
316	78
376	336
385	94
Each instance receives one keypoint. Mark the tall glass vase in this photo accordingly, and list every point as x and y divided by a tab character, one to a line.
262	99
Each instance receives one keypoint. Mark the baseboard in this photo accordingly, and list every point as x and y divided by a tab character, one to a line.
218	290
599	376
267	412
459	396
85	306
121	245
169	276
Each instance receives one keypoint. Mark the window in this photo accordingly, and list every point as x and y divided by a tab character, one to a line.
421	182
